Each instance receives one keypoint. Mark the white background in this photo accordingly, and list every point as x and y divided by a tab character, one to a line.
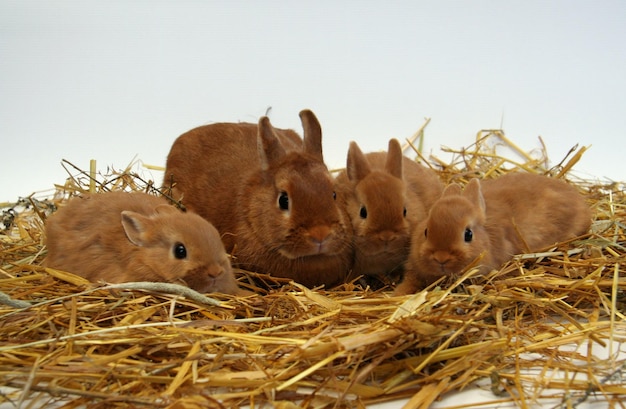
116	80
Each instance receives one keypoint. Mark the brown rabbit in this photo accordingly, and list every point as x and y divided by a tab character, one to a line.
121	237
269	194
385	195
514	213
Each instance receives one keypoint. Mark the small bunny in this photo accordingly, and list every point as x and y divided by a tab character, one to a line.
517	212
385	194
269	194
122	237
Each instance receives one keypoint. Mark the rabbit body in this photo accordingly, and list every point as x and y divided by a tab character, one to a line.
123	237
515	213
385	194
269	194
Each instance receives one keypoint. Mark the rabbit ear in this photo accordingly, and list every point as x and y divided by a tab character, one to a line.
474	194
312	134
357	166
394	159
452	190
270	149
165	209
135	226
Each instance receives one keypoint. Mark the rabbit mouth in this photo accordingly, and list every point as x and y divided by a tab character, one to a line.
313	249
447	269
205	278
311	252
443	270
391	245
197	282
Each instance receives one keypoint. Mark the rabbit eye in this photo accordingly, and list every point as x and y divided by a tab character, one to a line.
469	235
363	212
334	195
180	252
283	201
404	212
425	232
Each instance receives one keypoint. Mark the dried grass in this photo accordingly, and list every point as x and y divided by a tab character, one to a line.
549	324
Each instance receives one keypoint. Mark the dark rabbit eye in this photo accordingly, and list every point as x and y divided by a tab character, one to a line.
334	195
469	235
404	212
425	232
180	252
363	212
283	201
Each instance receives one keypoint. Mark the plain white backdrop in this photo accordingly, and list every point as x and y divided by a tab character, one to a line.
116	80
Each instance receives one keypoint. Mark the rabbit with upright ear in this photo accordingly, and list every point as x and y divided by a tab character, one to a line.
269	194
120	237
385	194
498	218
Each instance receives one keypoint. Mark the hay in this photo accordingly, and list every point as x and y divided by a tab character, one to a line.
547	326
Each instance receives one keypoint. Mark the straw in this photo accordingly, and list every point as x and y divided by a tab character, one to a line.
548	326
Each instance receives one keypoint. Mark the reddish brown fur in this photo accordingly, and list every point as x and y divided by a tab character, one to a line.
232	174
518	212
120	237
385	184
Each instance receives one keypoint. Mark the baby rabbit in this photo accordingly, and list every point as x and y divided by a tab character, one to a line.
268	193
120	237
385	195
517	212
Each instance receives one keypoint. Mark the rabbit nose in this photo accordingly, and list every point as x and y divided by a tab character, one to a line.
387	236
319	234
215	271
441	257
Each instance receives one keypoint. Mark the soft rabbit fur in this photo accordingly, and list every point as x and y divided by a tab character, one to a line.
385	194
269	194
515	213
121	237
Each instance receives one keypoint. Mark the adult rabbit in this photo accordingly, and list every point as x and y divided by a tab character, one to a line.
269	194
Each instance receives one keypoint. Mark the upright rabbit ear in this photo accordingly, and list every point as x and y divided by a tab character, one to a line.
357	166
312	134
394	159
270	149
135	226
474	194
453	189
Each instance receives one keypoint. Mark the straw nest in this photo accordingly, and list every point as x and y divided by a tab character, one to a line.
547	325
